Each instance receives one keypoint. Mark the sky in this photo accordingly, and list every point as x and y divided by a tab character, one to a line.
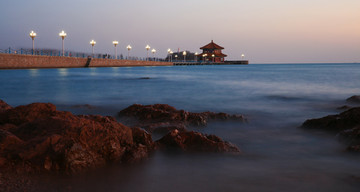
266	31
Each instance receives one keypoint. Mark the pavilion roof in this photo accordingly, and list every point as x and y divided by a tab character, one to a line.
212	45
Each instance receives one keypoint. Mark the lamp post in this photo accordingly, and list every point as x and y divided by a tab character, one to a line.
176	56
153	51
115	43
147	52
171	54
169	50
32	35
128	48
204	57
242	56
92	43
62	34
184	53
213	57
196	54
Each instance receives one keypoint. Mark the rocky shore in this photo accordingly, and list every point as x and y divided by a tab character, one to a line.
37	138
345	125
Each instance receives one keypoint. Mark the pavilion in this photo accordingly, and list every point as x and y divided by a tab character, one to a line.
212	52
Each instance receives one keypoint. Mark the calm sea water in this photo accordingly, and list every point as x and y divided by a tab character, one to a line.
276	98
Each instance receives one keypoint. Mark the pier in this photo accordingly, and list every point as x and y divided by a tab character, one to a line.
239	62
18	61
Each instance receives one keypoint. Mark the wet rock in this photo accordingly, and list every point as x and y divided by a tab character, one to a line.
354	99
49	140
4	106
166	117
195	142
23	114
345	124
345	120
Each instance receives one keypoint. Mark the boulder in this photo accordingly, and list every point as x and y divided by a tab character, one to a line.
346	125
166	117
49	140
345	120
190	141
354	99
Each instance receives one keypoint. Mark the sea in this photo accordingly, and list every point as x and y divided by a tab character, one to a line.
277	155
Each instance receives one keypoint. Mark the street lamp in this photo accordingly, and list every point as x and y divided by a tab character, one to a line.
92	43
115	43
213	57
242	56
147	52
171	54
176	56
204	57
184	53
153	51
62	34
32	35
196	54
128	48
169	51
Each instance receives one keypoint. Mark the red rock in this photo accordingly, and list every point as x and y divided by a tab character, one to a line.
4	106
28	113
195	142
51	140
163	116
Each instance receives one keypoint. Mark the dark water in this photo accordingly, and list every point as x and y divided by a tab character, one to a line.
277	156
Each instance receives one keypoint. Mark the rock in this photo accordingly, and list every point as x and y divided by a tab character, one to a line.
195	142
354	99
166	117
4	106
345	120
351	137
23	114
346	125
49	140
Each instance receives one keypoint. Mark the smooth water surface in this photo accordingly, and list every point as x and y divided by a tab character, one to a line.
276	99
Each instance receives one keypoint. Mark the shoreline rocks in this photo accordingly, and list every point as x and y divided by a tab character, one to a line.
162	118
37	138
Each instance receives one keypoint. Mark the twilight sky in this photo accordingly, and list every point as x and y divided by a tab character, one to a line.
266	31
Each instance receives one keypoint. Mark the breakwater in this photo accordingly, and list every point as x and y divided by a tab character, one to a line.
15	61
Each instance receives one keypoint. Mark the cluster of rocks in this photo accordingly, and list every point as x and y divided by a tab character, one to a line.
37	137
162	118
42	138
346	125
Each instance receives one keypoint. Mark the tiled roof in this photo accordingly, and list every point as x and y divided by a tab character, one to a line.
212	45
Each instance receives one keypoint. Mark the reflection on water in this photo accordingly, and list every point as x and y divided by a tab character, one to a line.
63	72
277	155
34	72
